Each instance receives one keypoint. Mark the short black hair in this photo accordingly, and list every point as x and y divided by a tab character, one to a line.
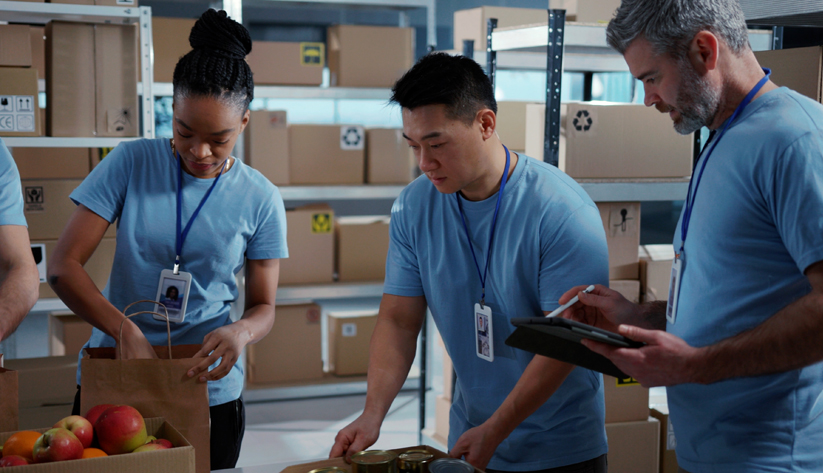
216	66
457	82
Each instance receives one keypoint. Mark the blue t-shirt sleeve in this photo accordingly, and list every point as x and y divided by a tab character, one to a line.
11	193
104	190
402	270
269	241
572	254
796	200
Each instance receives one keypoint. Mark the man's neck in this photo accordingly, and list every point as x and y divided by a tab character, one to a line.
489	183
743	77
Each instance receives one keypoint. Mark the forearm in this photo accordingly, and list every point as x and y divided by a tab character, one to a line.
256	323
19	290
541	378
786	341
391	354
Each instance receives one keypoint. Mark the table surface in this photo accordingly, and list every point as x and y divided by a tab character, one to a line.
268	468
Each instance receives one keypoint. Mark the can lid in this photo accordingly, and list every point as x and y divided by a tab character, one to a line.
371	457
450	465
329	469
415	456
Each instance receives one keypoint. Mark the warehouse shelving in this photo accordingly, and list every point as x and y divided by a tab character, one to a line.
164	89
783	13
57	142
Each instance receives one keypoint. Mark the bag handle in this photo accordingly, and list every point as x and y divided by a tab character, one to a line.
168	324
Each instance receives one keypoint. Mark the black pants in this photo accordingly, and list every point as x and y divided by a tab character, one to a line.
228	424
595	465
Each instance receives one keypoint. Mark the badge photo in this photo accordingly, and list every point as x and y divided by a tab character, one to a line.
173	292
483	332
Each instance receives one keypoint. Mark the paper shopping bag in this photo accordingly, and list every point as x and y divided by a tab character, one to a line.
8	399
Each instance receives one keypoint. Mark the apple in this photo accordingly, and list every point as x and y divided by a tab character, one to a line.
165	442
13	460
94	412
80	427
150	447
120	429
57	445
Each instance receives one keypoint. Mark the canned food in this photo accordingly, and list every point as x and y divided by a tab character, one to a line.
450	465
330	469
414	461
374	461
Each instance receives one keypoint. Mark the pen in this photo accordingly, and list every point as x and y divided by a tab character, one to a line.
572	302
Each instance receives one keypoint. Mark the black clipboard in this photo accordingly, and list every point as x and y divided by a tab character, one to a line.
560	339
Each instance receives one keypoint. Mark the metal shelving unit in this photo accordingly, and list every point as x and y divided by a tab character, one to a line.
783	13
164	89
42	13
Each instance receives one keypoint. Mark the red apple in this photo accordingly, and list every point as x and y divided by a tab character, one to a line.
150	447
94	412
165	442
80	427
120	429
57	445
13	460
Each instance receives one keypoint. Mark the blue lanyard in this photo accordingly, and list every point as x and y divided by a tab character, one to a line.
491	236
181	235
692	194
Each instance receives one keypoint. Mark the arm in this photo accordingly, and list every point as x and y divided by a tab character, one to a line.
73	285
227	342
391	354
19	280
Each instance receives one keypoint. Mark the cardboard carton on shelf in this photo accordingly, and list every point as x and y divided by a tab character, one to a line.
800	69
67	334
115	78
291	351
278	63
368	56
98	266
37	34
349	336
266	140
511	125
16	50
655	271
51	163
626	400
170	37
362	244
19	103
621	222
47	207
389	160
471	24
628	288
9	417
634	446
311	246
668	442
587	11
326	154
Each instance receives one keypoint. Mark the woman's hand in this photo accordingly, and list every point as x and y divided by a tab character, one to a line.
133	343
226	342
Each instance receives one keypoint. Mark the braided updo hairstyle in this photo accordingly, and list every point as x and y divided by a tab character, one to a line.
216	66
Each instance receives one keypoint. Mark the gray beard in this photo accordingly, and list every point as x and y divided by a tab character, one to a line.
697	102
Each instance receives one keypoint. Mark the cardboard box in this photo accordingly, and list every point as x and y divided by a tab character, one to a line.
9	416
326	154
655	272
369	56
511	125
587	11
37	34
601	140
170	37
115	77
340	462
349	336
67	334
442	408
471	24
800	69
266	140
311	246
98	266
634	446
291	351
448	370
362	244
626	400
32	418
178	459
52	163
275	63
50	380
48	207
621	222
668	442
19	103
389	160
628	288
15	46
70	90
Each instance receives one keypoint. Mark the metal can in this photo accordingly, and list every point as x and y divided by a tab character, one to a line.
374	461
330	469
414	461
450	465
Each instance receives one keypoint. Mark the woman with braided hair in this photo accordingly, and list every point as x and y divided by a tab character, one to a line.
190	214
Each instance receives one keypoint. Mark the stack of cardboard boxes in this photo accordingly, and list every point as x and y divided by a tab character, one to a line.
19	104
655	271
633	435
46	389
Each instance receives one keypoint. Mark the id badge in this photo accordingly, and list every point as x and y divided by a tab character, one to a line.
674	289
173	292
483	332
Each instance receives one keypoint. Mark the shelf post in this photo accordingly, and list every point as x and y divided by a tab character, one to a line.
491	55
147	72
554	76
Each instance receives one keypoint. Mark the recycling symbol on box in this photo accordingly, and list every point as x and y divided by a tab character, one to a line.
582	121
352	137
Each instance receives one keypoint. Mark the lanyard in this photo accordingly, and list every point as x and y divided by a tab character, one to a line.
692	194
181	235
491	236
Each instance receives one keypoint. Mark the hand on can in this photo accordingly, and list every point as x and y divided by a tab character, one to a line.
356	437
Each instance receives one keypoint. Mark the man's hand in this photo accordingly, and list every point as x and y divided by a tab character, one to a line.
356	437
666	360
477	445
602	308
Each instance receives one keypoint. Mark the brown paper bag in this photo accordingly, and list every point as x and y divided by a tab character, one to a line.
156	388
8	399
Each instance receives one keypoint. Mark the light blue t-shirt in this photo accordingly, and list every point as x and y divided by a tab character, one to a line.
757	225
11	193
136	185
548	238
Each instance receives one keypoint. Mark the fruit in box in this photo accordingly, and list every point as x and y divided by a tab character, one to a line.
120	429
57	445
22	444
93	453
94	412
13	460
80	427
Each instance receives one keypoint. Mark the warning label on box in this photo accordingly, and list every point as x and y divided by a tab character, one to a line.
34	199
17	113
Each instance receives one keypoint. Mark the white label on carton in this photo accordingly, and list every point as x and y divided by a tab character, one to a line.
34	199
17	113
622	221
352	138
38	250
349	330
